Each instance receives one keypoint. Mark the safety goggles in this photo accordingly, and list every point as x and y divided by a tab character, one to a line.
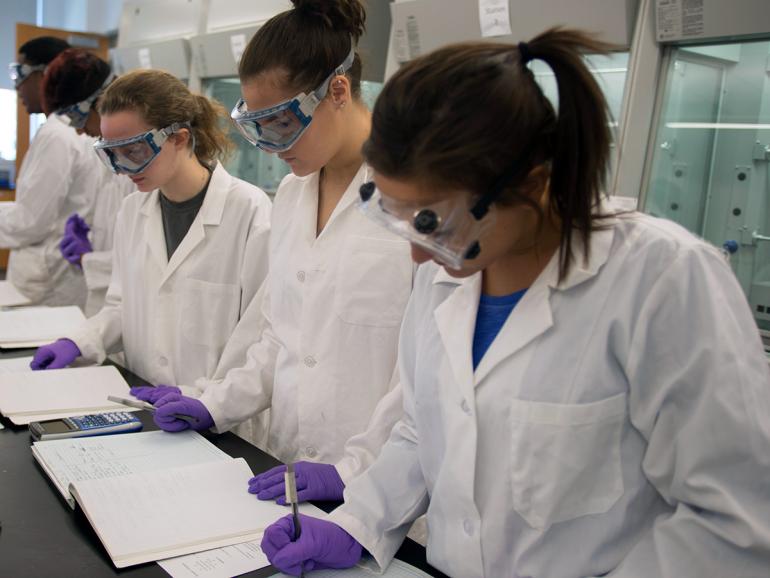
448	230
133	155
277	128
20	72
78	112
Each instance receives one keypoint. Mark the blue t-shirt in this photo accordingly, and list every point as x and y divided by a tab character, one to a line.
492	313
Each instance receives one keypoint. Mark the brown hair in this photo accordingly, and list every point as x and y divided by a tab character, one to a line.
467	114
162	99
308	43
72	77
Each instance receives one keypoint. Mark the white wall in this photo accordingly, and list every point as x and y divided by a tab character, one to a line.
13	11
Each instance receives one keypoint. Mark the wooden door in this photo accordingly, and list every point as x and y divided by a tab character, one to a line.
95	43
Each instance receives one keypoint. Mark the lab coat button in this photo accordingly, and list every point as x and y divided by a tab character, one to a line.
468	527
162	361
301	276
465	407
309	361
311	452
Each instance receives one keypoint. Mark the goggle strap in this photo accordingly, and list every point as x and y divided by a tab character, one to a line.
514	172
339	71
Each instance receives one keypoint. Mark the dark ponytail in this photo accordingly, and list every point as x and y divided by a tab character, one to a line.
465	115
307	43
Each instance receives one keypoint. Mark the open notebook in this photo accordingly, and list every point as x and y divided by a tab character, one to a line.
34	326
92	458
28	396
153	515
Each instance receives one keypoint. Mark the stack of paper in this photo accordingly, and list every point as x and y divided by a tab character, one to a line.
38	395
10	296
15	365
35	326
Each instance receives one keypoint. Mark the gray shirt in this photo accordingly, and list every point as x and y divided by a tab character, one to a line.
178	217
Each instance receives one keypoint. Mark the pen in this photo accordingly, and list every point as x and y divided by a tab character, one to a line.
149	407
291	498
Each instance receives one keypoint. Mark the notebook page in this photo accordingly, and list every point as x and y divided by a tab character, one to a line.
154	515
72	389
90	458
396	569
37	325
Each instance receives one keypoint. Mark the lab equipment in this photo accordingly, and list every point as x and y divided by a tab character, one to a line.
314	481
85	425
78	112
134	154
153	394
277	128
55	355
190	419
75	243
321	545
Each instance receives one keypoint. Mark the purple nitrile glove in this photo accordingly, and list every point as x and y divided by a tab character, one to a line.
55	355
321	544
175	403
314	482
153	394
75	242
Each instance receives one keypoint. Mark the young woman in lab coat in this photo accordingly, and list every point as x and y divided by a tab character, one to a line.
59	176
190	246
338	283
585	391
72	85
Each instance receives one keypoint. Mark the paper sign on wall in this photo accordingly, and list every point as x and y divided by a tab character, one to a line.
144	58
494	18
237	46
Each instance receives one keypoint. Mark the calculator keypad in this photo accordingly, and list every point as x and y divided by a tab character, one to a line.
100	420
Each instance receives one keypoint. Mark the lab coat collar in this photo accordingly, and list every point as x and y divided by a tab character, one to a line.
531	318
210	213
306	207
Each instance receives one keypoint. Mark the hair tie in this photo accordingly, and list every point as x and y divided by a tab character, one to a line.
524	53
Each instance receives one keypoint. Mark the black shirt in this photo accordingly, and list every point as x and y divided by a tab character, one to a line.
178	217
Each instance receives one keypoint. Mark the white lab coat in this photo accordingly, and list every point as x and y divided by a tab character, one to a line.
172	319
60	175
617	425
327	355
97	265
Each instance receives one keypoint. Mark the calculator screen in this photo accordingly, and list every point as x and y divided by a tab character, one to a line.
55	426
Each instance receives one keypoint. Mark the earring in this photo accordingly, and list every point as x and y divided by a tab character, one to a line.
342	104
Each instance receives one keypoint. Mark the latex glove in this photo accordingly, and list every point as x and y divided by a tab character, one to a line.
153	394
55	355
172	403
314	482
321	544
75	242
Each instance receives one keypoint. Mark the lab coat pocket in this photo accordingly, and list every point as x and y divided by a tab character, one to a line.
374	279
209	311
566	459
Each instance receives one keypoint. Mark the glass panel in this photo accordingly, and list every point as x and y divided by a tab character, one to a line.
711	162
246	162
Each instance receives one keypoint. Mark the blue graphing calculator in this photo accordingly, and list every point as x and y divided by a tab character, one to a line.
85	425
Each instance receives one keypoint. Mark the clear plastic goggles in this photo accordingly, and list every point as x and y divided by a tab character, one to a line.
134	154
448	230
20	72
78	112
277	128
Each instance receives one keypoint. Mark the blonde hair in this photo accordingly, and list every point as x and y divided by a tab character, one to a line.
162	99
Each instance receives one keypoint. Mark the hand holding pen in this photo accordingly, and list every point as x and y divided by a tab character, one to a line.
173	412
299	543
